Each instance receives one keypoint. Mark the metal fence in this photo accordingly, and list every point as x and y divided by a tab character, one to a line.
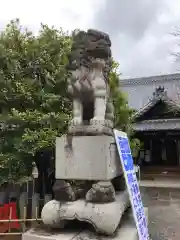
20	211
18	226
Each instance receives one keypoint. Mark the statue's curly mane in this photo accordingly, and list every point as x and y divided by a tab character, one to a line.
88	46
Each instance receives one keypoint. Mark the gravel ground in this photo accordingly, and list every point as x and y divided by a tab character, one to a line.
164	220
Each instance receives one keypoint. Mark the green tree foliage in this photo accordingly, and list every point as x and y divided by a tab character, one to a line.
123	113
34	106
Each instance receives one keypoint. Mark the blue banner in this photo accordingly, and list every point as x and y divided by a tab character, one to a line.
132	184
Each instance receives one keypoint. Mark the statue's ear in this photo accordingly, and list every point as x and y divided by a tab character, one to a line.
75	32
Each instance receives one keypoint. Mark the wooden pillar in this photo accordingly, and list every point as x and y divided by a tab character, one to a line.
178	151
150	151
163	153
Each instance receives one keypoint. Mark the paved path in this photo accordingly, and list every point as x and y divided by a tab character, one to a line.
164	220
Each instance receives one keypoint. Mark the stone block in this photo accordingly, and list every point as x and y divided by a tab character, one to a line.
36	234
89	158
105	217
126	231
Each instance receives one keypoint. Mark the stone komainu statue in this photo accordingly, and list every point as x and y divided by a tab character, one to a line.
89	67
89	182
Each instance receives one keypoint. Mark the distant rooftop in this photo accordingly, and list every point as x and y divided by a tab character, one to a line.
146	80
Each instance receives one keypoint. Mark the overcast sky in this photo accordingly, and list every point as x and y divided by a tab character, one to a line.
139	30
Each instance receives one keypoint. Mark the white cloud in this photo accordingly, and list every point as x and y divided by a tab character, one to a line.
68	14
140	35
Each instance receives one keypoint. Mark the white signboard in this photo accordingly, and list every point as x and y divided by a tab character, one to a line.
132	184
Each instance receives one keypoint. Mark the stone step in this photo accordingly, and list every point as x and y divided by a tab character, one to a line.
161	183
151	192
160	176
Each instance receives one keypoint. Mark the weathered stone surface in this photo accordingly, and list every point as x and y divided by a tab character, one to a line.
105	218
101	192
87	46
34	234
87	158
99	128
63	191
89	67
127	231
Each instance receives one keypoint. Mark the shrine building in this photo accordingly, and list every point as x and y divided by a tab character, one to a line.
157	121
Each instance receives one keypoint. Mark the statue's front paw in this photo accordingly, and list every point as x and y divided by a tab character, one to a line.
101	192
70	89
63	191
97	120
76	121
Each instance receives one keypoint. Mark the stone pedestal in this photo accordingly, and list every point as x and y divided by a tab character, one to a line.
105	218
127	231
87	158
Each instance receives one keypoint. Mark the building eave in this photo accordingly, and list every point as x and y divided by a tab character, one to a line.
157	125
148	80
147	107
159	95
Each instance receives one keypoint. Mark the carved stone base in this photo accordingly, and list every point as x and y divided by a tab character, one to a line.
105	218
126	231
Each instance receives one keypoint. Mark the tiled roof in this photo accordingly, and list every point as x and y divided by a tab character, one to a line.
157	124
158	95
146	80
